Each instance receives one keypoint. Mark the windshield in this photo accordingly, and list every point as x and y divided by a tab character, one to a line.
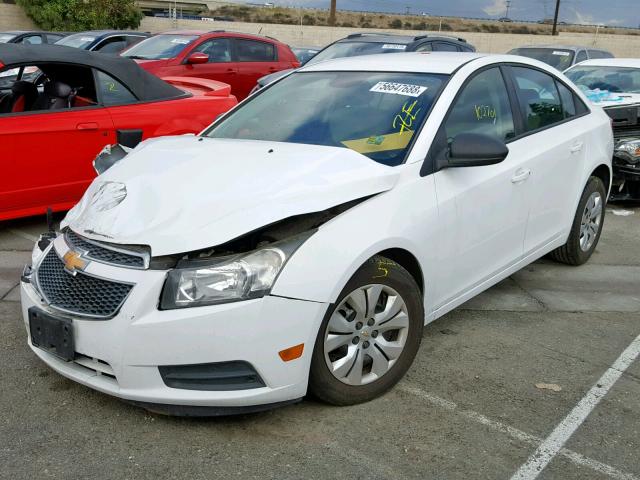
352	49
78	40
375	114
557	58
160	47
6	37
613	79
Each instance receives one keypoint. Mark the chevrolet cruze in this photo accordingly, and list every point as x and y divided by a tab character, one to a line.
301	242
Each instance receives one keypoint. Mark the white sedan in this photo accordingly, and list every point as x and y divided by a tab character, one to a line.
301	242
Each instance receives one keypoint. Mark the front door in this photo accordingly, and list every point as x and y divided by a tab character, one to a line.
483	210
221	66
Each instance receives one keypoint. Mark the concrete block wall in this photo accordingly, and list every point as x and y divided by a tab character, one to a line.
620	45
13	17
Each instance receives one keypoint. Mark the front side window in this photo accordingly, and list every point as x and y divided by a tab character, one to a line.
613	79
352	49
112	92
112	45
482	107
556	57
581	56
218	49
539	98
32	40
160	47
375	114
252	51
425	47
445	47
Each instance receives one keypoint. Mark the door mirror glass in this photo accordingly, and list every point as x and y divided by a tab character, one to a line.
197	58
475	150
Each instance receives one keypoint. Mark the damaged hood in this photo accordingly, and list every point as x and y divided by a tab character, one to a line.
624	99
179	194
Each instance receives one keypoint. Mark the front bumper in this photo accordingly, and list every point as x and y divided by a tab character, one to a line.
626	180
120	356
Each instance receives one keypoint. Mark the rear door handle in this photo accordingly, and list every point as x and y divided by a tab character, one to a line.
87	126
577	147
232	71
521	175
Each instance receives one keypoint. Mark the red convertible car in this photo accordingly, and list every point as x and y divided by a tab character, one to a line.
59	107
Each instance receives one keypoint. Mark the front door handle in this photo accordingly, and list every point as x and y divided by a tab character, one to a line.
521	175
87	126
232	71
577	147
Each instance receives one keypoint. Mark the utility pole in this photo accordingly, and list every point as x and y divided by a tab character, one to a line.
332	13
555	19
408	9
508	6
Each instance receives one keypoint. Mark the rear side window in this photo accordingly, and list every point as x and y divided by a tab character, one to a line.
482	107
599	54
253	51
51	38
568	102
111	91
539	98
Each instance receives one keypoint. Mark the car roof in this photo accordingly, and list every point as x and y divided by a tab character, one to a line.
380	37
216	33
419	62
574	48
144	85
612	62
105	33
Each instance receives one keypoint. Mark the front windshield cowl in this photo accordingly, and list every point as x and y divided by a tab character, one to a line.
375	114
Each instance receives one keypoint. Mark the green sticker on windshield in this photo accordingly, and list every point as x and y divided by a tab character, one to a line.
375	140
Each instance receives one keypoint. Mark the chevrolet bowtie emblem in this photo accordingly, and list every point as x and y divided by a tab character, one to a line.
73	262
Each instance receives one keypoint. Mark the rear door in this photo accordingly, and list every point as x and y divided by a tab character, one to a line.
555	141
47	156
255	59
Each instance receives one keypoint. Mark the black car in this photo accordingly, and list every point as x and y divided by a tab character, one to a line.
374	43
31	37
104	41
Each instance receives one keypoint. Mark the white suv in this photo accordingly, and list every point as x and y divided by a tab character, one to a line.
304	239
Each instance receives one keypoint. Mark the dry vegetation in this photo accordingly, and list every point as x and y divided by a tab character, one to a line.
294	16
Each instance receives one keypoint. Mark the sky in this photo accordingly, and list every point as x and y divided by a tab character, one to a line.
612	12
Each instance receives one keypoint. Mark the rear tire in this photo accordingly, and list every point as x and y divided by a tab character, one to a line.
587	225
369	337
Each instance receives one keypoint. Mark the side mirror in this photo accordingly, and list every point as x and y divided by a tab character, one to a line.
109	156
197	57
476	150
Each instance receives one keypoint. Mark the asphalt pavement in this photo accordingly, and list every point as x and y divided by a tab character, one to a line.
538	375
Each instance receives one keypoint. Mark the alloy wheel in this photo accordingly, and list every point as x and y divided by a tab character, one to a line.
366	334
591	219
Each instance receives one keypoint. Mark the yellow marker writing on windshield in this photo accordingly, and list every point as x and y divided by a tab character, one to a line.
407	117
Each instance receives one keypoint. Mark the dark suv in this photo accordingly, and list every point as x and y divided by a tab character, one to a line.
374	43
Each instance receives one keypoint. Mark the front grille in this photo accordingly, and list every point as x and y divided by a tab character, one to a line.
81	293
104	254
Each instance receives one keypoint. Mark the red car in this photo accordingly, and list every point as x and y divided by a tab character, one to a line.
238	59
59	107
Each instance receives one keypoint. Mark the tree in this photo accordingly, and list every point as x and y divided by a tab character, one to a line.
73	15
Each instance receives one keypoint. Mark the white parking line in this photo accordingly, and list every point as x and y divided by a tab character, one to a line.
22	234
517	434
554	442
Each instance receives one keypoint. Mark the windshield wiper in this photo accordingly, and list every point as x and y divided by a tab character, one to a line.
137	57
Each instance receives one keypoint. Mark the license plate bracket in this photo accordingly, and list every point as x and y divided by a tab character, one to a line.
52	334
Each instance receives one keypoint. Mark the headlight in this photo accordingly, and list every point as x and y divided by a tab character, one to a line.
629	150
227	279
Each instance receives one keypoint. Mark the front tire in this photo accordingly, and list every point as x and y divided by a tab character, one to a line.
369	337
587	225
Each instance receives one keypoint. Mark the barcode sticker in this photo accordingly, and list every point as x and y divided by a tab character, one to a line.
399	89
393	46
561	53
